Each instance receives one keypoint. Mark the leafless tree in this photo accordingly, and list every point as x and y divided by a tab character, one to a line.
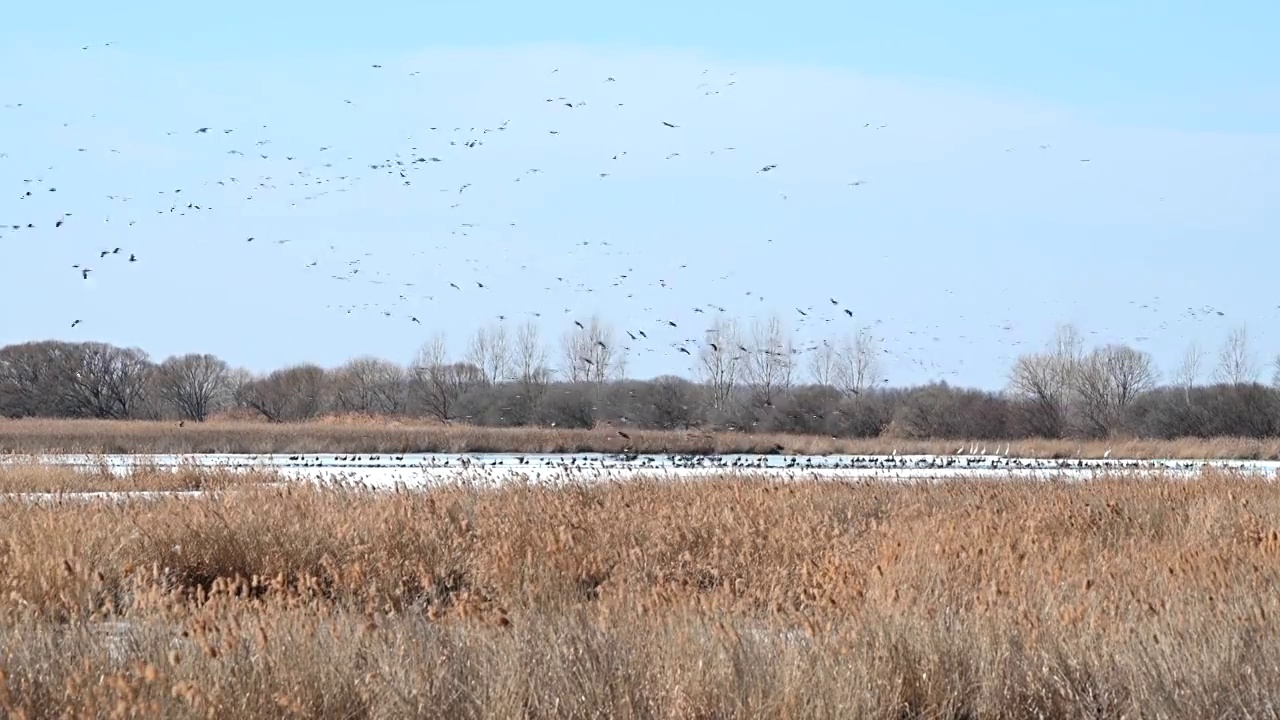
437	384
290	394
1106	383
238	378
668	403
194	385
531	355
1067	343
1236	364
29	386
1045	381
103	381
769	367
857	364
720	362
491	351
590	353
371	385
822	365
531	370
1188	371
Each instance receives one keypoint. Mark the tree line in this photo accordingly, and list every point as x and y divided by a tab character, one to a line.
748	377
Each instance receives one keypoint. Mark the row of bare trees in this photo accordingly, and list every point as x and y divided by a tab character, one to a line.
751	377
1071	391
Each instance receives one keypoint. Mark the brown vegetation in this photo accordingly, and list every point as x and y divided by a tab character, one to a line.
724	598
22	475
369	435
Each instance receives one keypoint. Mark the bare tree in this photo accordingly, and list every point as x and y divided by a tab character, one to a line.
1045	381
194	385
720	361
237	378
1067	343
668	403
29	385
858	366
1106	383
531	370
531	356
436	384
590	353
103	381
491	351
1188	371
290	394
371	385
770	366
1236	364
822	365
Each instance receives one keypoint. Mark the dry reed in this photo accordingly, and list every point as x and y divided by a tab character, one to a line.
28	475
727	598
393	436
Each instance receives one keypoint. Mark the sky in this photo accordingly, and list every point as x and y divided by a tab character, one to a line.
962	177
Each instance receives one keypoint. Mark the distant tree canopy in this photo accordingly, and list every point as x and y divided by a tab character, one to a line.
747	379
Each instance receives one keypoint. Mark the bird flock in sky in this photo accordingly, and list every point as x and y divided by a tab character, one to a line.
258	166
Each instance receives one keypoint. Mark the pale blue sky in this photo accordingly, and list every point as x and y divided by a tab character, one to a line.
965	230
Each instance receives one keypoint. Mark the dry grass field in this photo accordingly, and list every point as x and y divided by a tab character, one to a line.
29	476
393	436
724	598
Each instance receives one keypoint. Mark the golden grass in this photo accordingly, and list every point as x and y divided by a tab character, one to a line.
23	475
722	598
394	436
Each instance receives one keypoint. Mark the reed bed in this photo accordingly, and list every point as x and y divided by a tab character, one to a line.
395	436
733	597
29	475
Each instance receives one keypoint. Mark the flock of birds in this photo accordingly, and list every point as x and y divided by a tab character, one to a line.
410	468
258	166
